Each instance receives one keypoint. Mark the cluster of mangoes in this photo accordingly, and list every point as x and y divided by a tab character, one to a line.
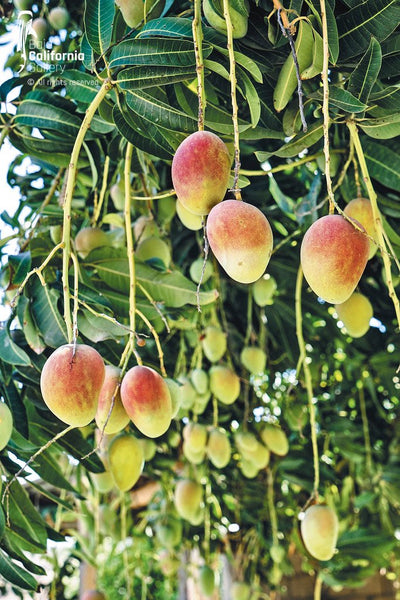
57	19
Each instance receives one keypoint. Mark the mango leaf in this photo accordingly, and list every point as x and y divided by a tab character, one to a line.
157	111
364	76
376	18
383	163
141	77
15	574
297	144
98	20
24	515
171	288
80	86
167	27
341	99
155	51
251	95
35	113
285	203
47	316
20	265
333	36
382	128
10	352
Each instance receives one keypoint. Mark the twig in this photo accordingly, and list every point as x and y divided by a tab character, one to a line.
198	51
325	105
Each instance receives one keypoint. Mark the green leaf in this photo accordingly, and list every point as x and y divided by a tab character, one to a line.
167	27
47	316
364	76
141	77
161	52
376	18
251	96
297	144
98	20
383	163
342	99
24	515
333	36
15	574
285	203
382	128
171	288
35	113
10	352
20	265
159	112
80	86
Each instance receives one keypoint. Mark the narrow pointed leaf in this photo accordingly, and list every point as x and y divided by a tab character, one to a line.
364	76
98	19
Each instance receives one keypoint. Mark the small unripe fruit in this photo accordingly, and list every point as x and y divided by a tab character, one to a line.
89	238
144	227
149	448
206	580
126	460
117	193
214	343
246	441
71	380
196	269
356	314
360	209
199	378
195	436
275	439
239	21
40	28
200	171
196	457
136	11
253	359
224	384
319	530
188	497
103	482
169	531
154	248
22	4
219	448
176	396
240	591
263	290
6	425
58	17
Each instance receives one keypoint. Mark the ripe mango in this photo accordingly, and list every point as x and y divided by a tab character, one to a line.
147	400
333	256
200	171
71	380
111	389
241	239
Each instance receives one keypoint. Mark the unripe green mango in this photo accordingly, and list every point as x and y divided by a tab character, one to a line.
224	384
126	460
196	269
275	439
360	209
136	11
263	290
246	441
218	22
169	531
259	457
58	17
154	249
253	359
240	591
6	425
175	393
188	497
356	314
195	436
149	448
319	530
206	580
219	448
196	457
214	343
199	378
40	28
89	238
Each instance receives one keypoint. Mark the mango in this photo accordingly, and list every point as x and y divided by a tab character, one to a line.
147	400
103	482
355	314
71	380
240	591
149	448
196	269
89	238
199	379
187	218
263	290
188	497
6	425
110	390
219	448
360	209
169	531
259	457
58	17
213	342
201	402
253	359
175	393
40	29
187	392
200	171
195	436
154	249
196	457
248	468
241	239
136	11
275	439
126	460
144	227
224	384
206	580
117	194
246	441
217	21
319	529
333	257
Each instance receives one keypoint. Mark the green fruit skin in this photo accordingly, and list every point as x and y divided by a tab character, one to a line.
263	290
169	532
224	384
154	248
196	268
240	591
59	17
6	425
206	580
133	10
319	530
40	28
219	448
126	460
253	359
188	497
239	21
199	378
214	343
89	238
275	439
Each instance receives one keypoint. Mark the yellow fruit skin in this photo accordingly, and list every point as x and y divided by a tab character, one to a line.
125	456
214	343
319	530
118	417
275	439
224	384
195	435
356	314
187	218
6	425
360	209
241	239
71	381
188	497
253	359
240	591
219	448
